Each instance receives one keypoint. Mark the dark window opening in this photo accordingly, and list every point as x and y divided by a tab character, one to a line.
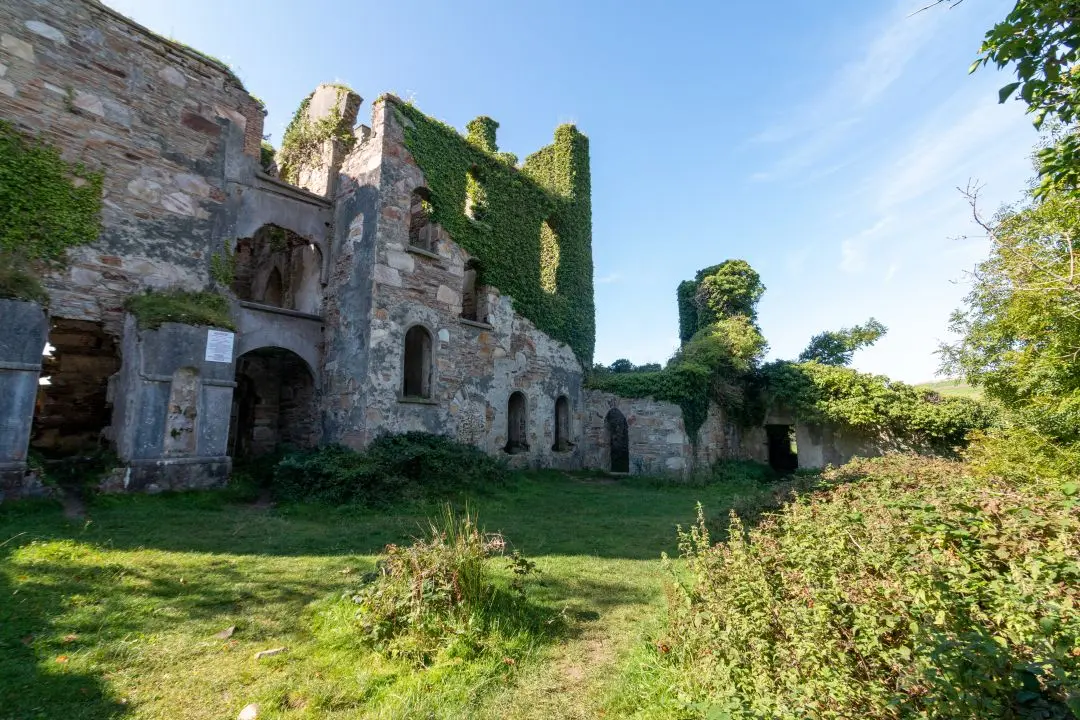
783	453
273	403
417	371
517	425
422	232
562	425
470	294
618	436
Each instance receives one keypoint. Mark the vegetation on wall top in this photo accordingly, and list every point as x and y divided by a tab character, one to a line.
303	138
509	208
153	308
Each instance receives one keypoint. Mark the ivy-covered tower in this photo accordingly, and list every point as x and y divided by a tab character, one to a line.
462	288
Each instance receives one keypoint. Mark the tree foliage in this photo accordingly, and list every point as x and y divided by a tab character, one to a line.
1020	327
1040	39
836	347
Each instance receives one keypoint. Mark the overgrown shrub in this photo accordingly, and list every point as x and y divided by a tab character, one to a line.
909	589
393	467
438	598
907	416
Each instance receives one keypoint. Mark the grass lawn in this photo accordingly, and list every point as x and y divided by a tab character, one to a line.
115	615
953	387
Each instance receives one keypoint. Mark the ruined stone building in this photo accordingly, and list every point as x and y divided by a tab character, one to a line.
374	291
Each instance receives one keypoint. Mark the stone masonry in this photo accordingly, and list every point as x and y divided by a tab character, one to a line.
350	323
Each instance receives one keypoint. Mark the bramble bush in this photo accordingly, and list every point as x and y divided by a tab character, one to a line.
438	599
910	588
392	468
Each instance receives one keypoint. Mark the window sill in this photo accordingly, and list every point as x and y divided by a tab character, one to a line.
476	324
422	252
416	400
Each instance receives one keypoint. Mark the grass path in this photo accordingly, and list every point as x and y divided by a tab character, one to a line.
116	615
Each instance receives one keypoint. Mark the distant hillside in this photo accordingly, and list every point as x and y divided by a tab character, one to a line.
952	387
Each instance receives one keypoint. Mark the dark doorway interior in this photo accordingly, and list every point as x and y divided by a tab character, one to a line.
517	425
618	432
273	403
783	454
72	404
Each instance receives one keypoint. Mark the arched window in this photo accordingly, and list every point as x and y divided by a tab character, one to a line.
416	382
517	424
549	257
421	229
476	206
618	437
562	425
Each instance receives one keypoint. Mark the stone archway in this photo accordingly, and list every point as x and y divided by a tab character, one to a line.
618	436
273	403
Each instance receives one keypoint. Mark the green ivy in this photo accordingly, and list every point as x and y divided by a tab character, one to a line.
303	138
686	385
223	265
46	205
552	289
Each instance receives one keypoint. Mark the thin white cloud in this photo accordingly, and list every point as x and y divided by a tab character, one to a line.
816	129
855	251
609	278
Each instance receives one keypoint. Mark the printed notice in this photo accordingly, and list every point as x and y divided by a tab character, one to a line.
219	346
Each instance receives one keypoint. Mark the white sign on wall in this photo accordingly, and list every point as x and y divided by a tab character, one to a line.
219	346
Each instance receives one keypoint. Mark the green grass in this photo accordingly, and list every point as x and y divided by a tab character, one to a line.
116	615
952	387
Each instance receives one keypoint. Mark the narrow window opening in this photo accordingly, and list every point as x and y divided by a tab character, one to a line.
470	293
417	375
517	425
562	425
421	229
476	205
783	452
549	258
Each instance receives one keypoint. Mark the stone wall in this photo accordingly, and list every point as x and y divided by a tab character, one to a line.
475	366
162	122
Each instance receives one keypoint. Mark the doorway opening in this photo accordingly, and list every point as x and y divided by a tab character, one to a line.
783	452
273	403
517	425
618	435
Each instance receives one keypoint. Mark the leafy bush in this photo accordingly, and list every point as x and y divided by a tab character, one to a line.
438	598
909	589
902	414
393	467
153	308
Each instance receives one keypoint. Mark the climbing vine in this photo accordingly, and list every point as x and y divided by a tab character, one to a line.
46	206
551	186
303	138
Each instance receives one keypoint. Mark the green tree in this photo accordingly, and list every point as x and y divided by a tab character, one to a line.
622	365
1040	40
1020	327
836	347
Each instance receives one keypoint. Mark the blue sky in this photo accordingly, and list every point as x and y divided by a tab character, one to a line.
821	142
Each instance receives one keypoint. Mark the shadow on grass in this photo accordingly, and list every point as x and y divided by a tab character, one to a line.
34	681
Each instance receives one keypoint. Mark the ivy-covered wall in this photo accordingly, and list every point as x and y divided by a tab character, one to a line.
547	271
